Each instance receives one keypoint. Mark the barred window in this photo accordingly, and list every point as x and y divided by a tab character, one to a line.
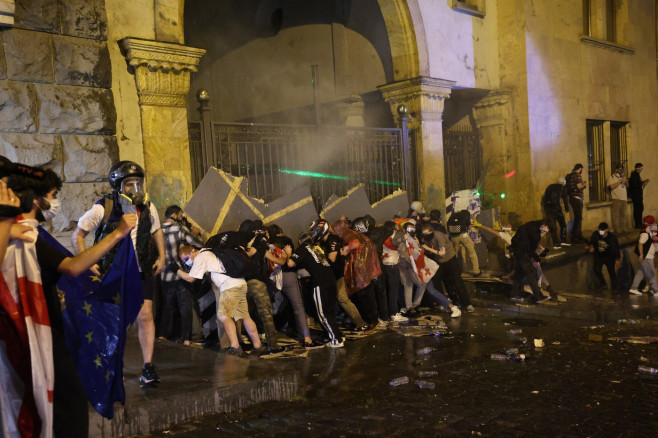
605	139
596	160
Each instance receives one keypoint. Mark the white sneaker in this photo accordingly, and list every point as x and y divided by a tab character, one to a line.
456	313
565	244
335	343
399	318
557	247
634	292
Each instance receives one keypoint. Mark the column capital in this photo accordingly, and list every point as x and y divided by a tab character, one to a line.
493	109
162	70
423	96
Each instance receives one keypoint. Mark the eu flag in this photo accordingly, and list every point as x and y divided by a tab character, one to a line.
98	311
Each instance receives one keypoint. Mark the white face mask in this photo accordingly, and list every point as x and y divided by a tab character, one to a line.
52	211
602	232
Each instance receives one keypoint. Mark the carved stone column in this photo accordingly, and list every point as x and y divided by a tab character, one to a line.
162	76
492	115
424	98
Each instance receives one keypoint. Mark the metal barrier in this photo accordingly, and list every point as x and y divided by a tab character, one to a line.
331	160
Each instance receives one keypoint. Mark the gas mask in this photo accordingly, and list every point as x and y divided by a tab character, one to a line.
411	230
132	191
49	208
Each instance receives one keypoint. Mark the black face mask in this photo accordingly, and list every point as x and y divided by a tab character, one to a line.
412	233
428	236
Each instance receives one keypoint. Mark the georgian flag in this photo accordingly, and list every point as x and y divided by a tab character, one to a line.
423	266
26	356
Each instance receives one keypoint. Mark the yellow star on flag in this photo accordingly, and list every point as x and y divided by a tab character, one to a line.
87	308
95	278
88	336
107	376
98	361
117	298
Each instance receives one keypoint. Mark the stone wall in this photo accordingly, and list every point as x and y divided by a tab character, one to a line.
57	104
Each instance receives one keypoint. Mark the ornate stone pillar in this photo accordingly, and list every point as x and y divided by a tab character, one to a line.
424	98
492	115
162	76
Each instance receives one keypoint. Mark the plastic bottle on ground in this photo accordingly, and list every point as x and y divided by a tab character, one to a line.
515	331
424	384
647	370
495	356
426	350
427	373
399	381
512	351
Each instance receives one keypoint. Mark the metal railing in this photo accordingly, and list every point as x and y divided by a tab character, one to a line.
276	159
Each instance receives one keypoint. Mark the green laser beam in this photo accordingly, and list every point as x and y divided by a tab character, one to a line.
329	176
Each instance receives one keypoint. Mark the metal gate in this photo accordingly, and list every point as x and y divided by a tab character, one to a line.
276	159
462	156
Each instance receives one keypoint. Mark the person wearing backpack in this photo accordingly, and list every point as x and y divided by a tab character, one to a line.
230	290
554	195
459	225
645	250
575	189
129	197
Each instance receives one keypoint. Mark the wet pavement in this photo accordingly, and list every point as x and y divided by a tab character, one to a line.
581	383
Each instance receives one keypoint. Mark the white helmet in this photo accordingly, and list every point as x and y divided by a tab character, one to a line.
417	206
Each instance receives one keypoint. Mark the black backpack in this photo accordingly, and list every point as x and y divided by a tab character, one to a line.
233	260
459	222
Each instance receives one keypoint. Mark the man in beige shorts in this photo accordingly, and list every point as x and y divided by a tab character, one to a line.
230	295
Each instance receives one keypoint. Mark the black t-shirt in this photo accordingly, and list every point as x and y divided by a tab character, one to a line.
49	259
313	259
334	244
607	247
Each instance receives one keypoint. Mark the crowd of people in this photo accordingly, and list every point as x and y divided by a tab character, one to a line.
353	275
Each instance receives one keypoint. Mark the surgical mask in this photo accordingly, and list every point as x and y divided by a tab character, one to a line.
543	229
51	212
188	262
602	232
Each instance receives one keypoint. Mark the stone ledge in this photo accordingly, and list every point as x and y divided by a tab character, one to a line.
149	415
608	45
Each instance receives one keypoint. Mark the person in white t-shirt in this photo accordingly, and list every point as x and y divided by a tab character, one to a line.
617	184
646	248
230	295
129	197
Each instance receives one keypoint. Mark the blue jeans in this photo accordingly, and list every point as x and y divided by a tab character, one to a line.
645	269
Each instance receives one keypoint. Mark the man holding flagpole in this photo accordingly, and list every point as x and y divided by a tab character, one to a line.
129	196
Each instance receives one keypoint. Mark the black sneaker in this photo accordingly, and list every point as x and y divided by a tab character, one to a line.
149	376
313	345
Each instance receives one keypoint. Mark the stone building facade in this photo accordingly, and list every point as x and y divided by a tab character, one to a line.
85	83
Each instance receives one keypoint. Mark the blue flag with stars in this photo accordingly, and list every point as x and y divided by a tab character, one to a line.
97	312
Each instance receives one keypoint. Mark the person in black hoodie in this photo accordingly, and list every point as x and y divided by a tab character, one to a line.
605	247
550	203
525	245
